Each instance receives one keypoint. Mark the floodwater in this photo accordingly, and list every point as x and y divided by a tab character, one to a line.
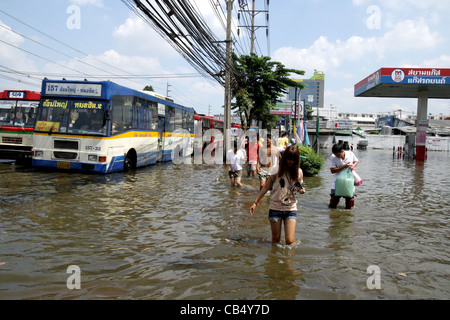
181	232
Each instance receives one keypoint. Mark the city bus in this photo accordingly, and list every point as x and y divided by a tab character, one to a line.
103	127
17	119
204	133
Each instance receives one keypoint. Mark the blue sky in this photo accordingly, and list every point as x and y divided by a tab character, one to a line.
347	39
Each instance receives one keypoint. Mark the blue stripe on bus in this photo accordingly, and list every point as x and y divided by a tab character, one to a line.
167	156
74	166
144	159
116	164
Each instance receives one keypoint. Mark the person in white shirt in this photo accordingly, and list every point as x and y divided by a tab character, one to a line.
235	160
339	161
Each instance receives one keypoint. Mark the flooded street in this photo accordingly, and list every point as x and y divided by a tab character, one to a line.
181	232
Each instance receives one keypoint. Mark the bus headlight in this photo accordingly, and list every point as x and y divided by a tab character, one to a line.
38	154
92	158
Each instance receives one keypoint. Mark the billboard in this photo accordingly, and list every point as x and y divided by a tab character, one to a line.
403	77
287	109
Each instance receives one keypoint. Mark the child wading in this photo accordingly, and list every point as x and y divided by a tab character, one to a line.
283	204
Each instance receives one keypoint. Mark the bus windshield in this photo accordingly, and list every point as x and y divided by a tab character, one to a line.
17	113
71	116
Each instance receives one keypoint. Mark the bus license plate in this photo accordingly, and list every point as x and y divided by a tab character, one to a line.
63	165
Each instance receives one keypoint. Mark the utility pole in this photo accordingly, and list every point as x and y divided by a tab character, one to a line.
168	91
228	63
253	13
252	38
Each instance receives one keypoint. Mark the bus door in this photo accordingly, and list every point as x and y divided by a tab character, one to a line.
161	128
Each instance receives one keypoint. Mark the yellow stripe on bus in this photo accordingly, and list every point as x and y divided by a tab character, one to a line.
130	134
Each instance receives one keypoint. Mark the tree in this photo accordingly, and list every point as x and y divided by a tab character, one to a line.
148	88
309	112
258	84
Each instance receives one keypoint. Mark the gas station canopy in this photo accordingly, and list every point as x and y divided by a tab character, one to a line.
405	83
422	84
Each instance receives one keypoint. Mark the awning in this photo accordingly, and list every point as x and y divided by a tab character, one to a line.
405	83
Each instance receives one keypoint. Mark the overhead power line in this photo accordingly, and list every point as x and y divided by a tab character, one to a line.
186	31
249	15
104	76
60	42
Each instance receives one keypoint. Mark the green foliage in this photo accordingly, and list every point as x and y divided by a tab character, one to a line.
258	83
312	164
309	112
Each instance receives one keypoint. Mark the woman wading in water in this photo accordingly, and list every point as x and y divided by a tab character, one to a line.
283	204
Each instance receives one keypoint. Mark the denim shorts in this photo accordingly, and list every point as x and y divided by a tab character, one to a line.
276	216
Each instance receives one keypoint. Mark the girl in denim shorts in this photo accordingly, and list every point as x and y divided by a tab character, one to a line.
283	204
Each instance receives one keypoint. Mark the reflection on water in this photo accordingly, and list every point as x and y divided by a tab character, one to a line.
181	232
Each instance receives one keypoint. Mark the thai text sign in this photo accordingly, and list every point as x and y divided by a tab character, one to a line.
282	109
73	89
404	76
288	109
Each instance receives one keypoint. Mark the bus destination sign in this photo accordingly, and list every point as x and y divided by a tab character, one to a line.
16	94
74	89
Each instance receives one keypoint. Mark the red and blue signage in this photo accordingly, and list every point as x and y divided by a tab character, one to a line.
401	77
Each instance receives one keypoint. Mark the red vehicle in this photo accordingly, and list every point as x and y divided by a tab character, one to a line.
235	128
17	118
203	126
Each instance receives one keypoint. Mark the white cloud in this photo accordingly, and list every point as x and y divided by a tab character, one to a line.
137	37
10	55
406	5
442	62
112	61
345	101
97	3
7	35
408	35
325	55
192	92
329	56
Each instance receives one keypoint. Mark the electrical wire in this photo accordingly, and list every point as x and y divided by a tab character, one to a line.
186	31
174	20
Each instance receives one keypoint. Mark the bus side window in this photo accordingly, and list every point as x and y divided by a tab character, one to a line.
148	115
142	114
128	113
185	119
178	119
170	119
155	117
117	114
191	123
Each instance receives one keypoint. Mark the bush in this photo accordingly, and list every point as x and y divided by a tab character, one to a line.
312	164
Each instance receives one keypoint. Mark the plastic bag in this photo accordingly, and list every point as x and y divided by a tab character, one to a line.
358	180
345	184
